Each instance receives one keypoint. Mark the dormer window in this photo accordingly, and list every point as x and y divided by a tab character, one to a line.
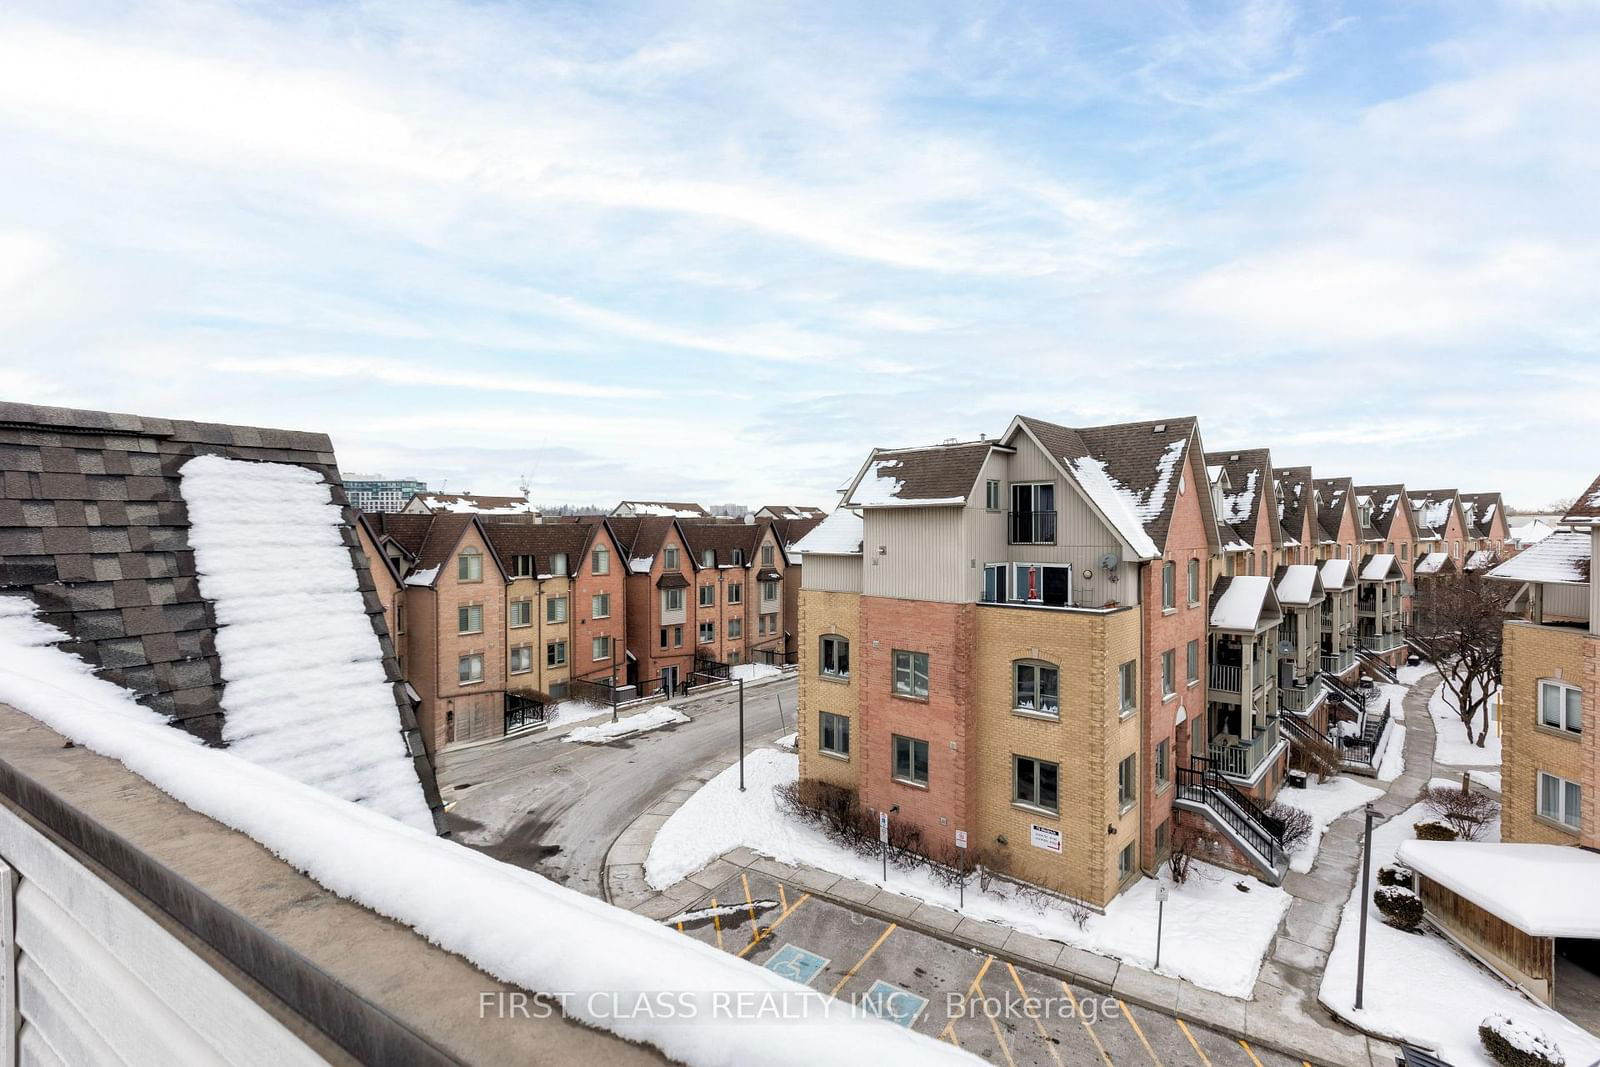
738	557
558	563
669	558
469	565
708	558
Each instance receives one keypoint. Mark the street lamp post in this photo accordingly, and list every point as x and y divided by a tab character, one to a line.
1366	878
741	733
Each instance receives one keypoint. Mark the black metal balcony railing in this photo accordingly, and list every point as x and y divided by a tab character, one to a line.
1031	527
1203	783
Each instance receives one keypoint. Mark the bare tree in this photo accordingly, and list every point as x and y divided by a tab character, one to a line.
1460	619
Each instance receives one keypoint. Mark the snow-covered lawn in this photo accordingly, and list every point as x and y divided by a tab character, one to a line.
1452	747
1325	803
1411	675
1214	933
570	712
654	719
1393	763
753	672
1423	989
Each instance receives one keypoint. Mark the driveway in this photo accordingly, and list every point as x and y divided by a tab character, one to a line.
555	808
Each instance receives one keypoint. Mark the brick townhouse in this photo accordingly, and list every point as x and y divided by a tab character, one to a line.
1440	524
1297	514
739	591
661	573
426	503
1393	526
1484	519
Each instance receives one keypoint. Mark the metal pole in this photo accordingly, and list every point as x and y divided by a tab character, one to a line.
613	690
1161	914
961	862
1366	875
782	725
741	733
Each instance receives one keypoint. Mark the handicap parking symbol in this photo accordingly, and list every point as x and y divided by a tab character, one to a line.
893	1003
795	963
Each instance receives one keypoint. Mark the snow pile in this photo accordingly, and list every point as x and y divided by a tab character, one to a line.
1126	509
1324	803
1214	934
838	534
1410	675
1544	890
1392	764
1451	746
665	511
788	742
1522	1038
570	712
304	689
561	942
1241	604
753	672
654	719
1417	983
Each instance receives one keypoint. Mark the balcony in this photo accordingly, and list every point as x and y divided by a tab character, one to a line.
1031	527
1226	679
1338	662
1239	758
1302	698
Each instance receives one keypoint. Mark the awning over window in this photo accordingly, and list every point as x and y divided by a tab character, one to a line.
769	575
672	580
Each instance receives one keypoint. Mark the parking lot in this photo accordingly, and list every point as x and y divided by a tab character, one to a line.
1003	1012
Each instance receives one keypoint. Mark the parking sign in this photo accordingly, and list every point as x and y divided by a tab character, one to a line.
883	827
961	839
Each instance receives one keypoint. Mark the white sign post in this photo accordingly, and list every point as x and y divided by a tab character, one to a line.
1161	908
961	868
883	841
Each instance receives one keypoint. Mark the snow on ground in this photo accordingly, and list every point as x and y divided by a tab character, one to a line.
753	672
1325	802
1395	696
1393	763
1409	675
1452	747
561	941
1214	934
1423	989
1487	779
570	712
654	719
788	742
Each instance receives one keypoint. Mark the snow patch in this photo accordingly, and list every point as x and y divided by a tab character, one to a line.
654	719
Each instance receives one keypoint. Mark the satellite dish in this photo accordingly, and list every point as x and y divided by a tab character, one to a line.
1285	646
1109	561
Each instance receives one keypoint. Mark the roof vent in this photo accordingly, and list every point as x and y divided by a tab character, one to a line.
948	441
1234	458
1159	427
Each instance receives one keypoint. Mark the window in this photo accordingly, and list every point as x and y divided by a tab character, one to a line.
602	648
1128	685
1194	582
555	609
1161	837
555	654
600	606
1037	687
835	657
1125	862
708	596
400	617
469	619
1192	666
735	593
1169	672
1127	782
1560	800
735	627
664	636
769	592
521	658
669	558
911	674
672	600
910	760
767	555
769	624
708	632
1034	783
470	669
1405	551
469	566
520	613
1169	585
994	582
600	561
991	494
738	557
1163	764
558	563
1033	514
522	566
1561	706
1265	568
708	558
835	734
1036	583
677	637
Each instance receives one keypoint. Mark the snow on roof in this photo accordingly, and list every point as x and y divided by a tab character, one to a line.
1298	584
1432	562
880	487
641	564
1241	506
1479	559
1543	890
1561	558
1335	573
664	509
839	534
468	504
1241	603
304	687
1530	533
1377	567
423	576
1126	509
562	940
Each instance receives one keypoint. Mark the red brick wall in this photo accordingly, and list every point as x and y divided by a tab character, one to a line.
585	627
478	708
644	617
946	632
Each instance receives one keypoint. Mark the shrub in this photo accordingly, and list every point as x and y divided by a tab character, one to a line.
1396	874
1516	1044
1401	907
1297	825
1181	853
1434	830
1466	812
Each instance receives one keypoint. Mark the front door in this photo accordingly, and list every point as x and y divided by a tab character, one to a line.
669	680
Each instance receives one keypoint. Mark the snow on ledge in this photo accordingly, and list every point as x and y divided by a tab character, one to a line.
304	689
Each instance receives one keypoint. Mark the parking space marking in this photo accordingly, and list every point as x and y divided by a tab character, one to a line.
716	920
796	964
762	935
950	1027
1139	1031
1049	1042
1204	1059
749	902
881	995
1249	1053
1092	1035
988	1013
851	973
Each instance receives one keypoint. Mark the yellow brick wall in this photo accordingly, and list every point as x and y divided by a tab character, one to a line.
1543	652
823	612
1087	743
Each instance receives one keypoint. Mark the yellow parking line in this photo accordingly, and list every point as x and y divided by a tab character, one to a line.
950	1027
762	935
749	903
1049	1042
1087	1028
680	928
1247	1052
999	1038
851	973
1142	1040
783	899
1204	1059
716	920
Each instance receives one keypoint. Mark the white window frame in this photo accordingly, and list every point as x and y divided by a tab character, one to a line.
558	564
472	675
671	600
1565	692
1128	687
911	743
991	495
469	565
769	592
600	606
669	558
512	610
708	596
1128	782
736	592
1567	814
708	632
1169	585
1019	584
1194	582
1191	662
600	561
1036	802
525	652
1038	708
555	610
1169	673
600	646
471	612
736	627
823	650
555	653
909	671
838	726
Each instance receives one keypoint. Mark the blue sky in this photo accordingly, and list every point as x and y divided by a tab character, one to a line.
718	251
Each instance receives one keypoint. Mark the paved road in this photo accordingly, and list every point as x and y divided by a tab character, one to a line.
1006	1013
556	808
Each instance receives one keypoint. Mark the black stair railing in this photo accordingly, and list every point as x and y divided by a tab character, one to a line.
1201	781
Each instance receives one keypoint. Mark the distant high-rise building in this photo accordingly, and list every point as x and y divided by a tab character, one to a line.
374	492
